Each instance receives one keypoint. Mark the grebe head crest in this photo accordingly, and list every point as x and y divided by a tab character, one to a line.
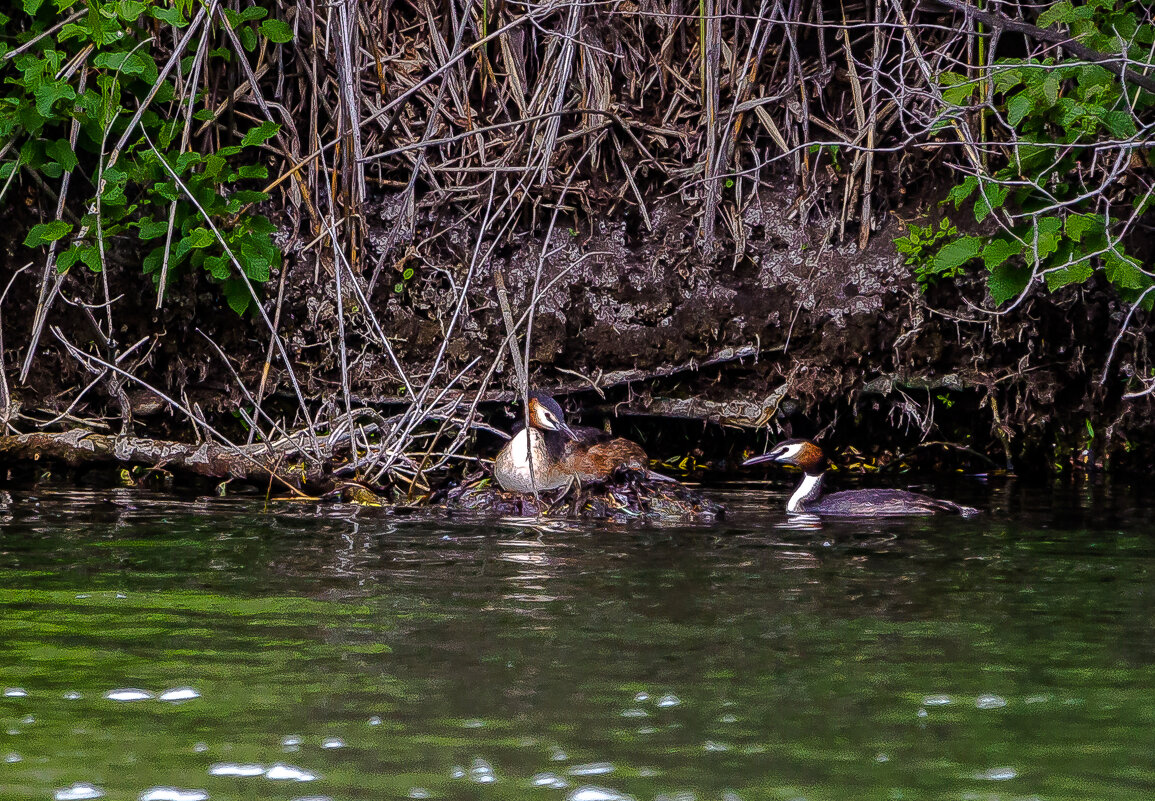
798	452
545	413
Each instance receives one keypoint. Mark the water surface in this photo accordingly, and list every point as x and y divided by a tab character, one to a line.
226	649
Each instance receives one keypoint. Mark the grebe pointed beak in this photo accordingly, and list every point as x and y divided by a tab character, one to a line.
564	428
766	457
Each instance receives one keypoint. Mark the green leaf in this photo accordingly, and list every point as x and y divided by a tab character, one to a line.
956	253
109	60
90	255
219	266
1120	124
1078	224
1141	204
248	196
261	133
1075	273
1093	75
166	190
1043	239
260	224
199	237
130	10
993	196
151	229
1070	111
253	13
61	151
277	31
1005	79
237	294
1124	272
185	160
32	6
253	171
170	15
1006	282
1019	107
958	95
153	261
962	191
1059	12
44	233
48	93
999	250
66	260
1051	88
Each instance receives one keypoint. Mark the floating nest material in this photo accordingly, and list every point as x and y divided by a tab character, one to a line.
620	502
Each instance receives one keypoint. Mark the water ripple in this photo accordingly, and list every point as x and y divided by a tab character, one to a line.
481	772
592	769
990	702
550	780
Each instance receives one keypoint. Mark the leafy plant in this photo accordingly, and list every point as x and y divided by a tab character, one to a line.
923	248
70	108
1055	207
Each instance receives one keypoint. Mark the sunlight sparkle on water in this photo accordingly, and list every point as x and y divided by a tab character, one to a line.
592	769
128	694
234	769
990	702
551	780
590	793
173	794
81	791
481	772
289	773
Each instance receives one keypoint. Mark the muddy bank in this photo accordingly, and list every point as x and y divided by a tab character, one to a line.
787	334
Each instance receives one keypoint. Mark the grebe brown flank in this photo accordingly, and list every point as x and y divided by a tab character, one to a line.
808	497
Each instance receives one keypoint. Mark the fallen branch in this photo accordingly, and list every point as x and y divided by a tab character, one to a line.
79	447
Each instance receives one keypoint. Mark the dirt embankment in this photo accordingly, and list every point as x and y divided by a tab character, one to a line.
788	331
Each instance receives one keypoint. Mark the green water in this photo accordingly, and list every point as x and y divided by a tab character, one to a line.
344	653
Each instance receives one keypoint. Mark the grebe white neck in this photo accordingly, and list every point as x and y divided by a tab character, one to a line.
808	491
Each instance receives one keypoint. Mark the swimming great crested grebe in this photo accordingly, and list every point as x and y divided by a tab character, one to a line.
562	455
808	498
